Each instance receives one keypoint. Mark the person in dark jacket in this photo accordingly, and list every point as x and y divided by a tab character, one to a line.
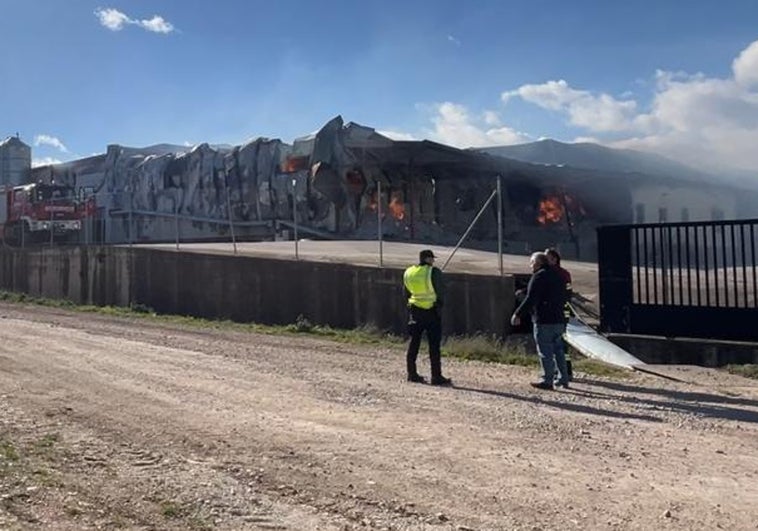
425	293
545	297
554	259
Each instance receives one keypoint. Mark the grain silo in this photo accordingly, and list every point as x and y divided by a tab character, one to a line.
15	161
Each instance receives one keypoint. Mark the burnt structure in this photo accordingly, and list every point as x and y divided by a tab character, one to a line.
329	183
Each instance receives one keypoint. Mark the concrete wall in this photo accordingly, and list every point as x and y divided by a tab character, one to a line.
244	288
687	351
83	275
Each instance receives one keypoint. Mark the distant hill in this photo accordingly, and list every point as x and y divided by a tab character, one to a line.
600	158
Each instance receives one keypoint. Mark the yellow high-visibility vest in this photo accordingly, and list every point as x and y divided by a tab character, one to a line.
418	280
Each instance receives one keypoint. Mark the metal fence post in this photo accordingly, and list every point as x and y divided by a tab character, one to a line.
131	218
52	205
229	211
500	223
294	216
379	221
176	223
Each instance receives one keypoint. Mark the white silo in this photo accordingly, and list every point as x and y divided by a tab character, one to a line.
15	161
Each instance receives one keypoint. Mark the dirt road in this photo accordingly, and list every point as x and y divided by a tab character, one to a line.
112	423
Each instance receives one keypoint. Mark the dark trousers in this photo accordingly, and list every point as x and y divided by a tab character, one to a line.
420	320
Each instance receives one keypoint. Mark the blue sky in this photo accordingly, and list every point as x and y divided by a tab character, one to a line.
678	78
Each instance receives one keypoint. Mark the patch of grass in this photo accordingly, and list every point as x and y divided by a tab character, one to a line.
45	446
171	509
8	451
47	478
490	349
141	308
302	325
748	370
598	368
481	347
47	441
475	347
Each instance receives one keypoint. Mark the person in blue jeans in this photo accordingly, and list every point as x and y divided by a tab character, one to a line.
544	300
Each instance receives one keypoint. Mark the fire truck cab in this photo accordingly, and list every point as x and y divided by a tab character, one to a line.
37	212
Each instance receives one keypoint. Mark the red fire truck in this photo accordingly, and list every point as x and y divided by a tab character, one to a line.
33	213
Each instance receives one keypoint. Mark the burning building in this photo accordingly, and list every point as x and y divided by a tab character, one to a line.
344	182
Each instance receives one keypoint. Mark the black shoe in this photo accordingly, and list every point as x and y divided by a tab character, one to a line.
442	381
565	385
547	386
416	378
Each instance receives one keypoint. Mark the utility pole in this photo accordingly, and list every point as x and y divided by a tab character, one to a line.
294	216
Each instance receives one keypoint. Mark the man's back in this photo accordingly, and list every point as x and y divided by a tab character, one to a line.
548	296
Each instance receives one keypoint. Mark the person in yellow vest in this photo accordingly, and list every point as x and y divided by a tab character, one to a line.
425	292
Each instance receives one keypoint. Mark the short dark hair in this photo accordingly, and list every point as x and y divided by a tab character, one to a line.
553	253
426	253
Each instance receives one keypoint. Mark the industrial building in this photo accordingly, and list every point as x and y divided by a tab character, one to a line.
347	180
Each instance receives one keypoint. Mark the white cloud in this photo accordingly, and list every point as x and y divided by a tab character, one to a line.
596	112
491	118
454	125
452	39
47	140
115	20
710	122
157	24
112	19
745	66
44	161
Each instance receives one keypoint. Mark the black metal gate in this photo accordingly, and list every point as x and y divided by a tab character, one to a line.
680	279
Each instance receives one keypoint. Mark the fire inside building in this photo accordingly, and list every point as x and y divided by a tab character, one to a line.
336	184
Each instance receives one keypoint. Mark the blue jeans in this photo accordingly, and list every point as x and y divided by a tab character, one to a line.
549	340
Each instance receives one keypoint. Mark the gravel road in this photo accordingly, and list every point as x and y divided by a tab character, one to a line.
119	423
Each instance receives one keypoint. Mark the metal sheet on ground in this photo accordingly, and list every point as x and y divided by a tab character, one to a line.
593	345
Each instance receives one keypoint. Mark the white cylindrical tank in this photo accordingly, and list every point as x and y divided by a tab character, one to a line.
15	161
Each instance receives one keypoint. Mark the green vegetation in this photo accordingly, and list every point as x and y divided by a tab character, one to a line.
8	452
47	441
490	349
598	368
749	370
171	509
476	347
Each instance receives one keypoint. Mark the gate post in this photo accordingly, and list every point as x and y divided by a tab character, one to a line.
615	277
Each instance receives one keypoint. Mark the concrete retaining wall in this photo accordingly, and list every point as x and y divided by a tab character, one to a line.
245	288
687	351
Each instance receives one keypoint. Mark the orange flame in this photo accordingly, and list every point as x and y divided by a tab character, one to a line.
396	207
551	211
293	164
372	204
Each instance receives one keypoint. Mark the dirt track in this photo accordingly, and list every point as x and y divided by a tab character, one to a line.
114	423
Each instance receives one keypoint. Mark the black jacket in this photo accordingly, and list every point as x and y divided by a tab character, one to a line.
545	297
